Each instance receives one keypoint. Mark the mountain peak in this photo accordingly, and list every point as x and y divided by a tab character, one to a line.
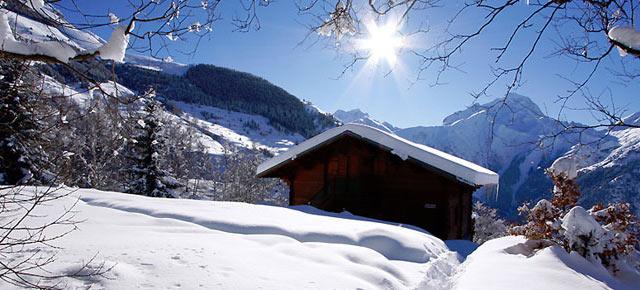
512	104
360	117
350	116
517	101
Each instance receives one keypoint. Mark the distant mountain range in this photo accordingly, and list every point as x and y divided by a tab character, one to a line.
507	136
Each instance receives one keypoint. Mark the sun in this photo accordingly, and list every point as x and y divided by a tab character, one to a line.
383	42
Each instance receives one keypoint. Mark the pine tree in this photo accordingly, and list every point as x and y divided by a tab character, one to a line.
22	158
147	146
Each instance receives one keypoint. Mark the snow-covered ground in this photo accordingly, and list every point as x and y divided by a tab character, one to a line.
168	244
512	263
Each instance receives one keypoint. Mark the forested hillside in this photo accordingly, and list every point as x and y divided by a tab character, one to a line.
228	89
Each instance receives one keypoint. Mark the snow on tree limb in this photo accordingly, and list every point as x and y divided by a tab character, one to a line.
59	51
627	39
53	49
115	48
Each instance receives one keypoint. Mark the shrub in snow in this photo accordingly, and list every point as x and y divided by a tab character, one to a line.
239	182
565	191
621	226
583	234
606	235
486	224
542	221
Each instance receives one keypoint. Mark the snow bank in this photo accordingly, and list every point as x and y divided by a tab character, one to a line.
393	242
168	243
512	262
171	243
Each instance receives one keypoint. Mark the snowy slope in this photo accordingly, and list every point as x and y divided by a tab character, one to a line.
360	117
157	243
633	119
37	29
216	127
608	170
167	243
243	130
313	109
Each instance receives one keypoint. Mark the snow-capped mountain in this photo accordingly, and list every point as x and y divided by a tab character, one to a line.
221	118
360	117
609	170
505	136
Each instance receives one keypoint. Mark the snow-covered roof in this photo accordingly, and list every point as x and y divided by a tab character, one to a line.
464	170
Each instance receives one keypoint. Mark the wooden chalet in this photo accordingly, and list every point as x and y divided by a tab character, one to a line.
379	175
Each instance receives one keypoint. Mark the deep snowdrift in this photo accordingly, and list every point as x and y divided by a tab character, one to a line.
170	243
512	263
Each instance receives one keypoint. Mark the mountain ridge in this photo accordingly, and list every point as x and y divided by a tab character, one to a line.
358	116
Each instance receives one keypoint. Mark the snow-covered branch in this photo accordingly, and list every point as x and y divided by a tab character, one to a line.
37	30
627	39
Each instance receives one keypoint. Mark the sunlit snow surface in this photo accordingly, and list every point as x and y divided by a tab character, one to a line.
167	243
160	243
513	263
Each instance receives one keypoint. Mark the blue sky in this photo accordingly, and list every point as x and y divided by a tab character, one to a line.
309	72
